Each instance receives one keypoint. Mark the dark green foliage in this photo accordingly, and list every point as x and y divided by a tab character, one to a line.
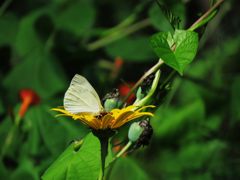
197	119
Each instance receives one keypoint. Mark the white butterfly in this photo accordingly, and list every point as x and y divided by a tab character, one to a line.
81	97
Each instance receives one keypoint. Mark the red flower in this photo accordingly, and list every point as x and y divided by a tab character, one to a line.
28	97
118	62
124	89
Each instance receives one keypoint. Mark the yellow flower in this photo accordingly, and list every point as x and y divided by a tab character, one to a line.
107	120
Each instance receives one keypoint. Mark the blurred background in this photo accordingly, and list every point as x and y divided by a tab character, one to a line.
43	43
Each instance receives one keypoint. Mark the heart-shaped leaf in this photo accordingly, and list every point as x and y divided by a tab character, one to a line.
81	164
177	50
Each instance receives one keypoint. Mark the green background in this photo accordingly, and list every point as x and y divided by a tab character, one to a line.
43	43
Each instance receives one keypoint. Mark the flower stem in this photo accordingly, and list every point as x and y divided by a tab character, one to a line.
24	106
10	136
206	17
150	71
144	101
124	149
104	152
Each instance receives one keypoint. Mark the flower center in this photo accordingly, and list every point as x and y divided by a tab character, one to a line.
101	115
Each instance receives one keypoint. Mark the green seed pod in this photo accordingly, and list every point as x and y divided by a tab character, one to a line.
110	104
135	131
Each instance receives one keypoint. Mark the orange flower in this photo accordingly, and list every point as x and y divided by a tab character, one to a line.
124	89
28	97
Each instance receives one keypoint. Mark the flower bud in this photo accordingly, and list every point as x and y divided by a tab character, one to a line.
146	135
110	104
111	100
135	131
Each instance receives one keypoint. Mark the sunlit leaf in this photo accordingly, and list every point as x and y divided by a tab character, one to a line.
83	164
177	50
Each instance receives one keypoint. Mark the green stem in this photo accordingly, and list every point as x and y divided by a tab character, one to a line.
124	149
118	35
169	77
10	136
150	71
4	6
144	101
104	152
206	17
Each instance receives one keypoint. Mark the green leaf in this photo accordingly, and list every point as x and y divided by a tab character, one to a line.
39	72
158	19
8	29
131	49
177	50
76	16
27	38
45	129
26	170
5	125
127	169
84	164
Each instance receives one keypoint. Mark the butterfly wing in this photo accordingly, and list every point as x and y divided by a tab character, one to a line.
81	97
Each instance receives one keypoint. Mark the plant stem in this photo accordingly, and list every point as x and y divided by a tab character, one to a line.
146	74
118	35
168	79
145	100
194	26
124	149
104	152
4	6
10	136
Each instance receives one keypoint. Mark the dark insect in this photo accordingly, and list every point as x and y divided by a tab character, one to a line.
146	134
111	95
101	114
146	84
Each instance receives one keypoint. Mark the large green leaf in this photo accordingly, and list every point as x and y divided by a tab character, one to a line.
177	50
158	19
83	164
27	39
131	49
45	128
76	16
25	170
39	72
